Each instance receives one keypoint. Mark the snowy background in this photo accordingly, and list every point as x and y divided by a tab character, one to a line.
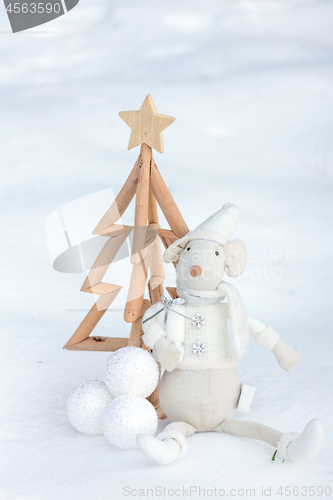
250	84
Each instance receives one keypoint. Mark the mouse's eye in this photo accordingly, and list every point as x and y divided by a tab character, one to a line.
188	248
217	253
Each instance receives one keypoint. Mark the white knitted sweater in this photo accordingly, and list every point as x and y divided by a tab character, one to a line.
214	335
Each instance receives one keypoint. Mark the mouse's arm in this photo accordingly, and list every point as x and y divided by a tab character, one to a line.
267	337
164	351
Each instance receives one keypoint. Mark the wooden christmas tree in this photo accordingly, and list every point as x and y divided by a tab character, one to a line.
146	183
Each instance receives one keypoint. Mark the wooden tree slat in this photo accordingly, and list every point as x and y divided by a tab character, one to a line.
152	210
155	285
155	400
102	263
172	292
157	273
155	292
142	198
124	198
92	318
102	288
167	203
167	237
156	265
139	271
160	413
136	290
99	344
136	328
117	229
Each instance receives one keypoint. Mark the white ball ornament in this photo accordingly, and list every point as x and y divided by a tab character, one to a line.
85	407
126	417
131	370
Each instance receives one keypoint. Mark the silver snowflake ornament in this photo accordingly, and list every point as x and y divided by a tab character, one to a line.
198	348
197	320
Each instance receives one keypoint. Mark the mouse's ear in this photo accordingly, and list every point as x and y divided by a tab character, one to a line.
172	253
235	258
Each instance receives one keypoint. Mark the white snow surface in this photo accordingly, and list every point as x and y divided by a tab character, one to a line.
250	85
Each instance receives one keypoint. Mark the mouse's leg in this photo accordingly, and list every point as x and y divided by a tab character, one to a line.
296	447
168	446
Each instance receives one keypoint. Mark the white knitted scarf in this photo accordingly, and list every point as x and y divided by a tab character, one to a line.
236	310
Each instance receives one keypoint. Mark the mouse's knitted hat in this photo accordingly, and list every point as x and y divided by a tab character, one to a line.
218	227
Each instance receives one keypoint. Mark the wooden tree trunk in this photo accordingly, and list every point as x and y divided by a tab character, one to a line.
139	272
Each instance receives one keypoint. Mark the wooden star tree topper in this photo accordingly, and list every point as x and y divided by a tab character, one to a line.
147	125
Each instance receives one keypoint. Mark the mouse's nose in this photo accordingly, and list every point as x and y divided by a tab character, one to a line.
195	271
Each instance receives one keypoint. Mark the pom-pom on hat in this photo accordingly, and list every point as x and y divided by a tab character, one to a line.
218	227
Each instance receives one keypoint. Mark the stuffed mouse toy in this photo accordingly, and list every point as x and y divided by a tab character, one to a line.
200	388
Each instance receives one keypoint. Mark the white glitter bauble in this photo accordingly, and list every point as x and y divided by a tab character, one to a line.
126	417
131	370
85	406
